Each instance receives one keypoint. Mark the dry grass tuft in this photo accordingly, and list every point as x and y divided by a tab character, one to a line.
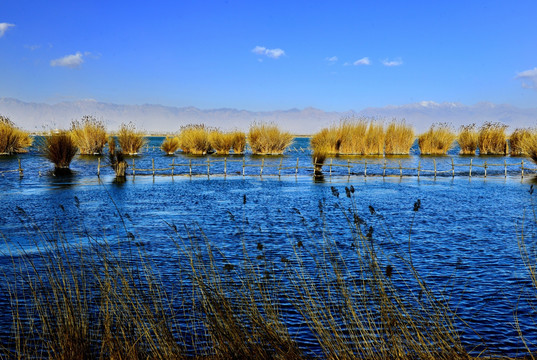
467	139
437	140
517	140
221	142
268	139
239	142
194	139
130	140
89	135
492	139
60	149
117	159
325	141
12	139
530	146
399	138
170	145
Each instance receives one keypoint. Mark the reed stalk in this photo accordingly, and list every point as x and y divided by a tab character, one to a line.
399	138
221	142
89	135
492	139
517	140
194	139
130	140
239	142
170	145
268	139
12	139
530	146
60	149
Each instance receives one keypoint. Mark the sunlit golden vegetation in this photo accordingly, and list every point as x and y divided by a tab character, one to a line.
194	139
116	159
467	139
89	135
60	149
268	139
239	141
530	146
221	142
12	139
437	140
399	138
130	139
170	145
492	139
517	140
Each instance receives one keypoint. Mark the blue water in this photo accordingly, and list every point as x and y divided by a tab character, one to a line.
463	239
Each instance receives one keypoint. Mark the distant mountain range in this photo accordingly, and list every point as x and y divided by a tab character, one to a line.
159	118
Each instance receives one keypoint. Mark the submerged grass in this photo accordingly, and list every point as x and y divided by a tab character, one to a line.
91	298
492	139
130	140
467	139
399	138
12	139
268	139
89	135
437	140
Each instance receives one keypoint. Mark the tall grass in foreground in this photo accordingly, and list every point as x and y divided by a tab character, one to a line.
12	139
170	145
268	139
60	149
130	140
89	135
467	139
194	139
89	298
437	140
399	138
530	146
517	140
492	139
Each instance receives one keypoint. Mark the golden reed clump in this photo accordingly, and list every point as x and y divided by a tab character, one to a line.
530	146
492	139
437	140
12	139
399	138
60	149
467	139
517	140
129	139
194	139
89	135
268	139
170	145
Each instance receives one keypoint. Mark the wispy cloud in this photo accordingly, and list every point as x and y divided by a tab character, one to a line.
528	78
332	59
362	61
395	62
271	53
32	47
70	61
4	27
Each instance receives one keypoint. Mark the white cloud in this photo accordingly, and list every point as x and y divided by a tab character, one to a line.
395	62
271	53
332	59
70	61
362	61
529	78
4	27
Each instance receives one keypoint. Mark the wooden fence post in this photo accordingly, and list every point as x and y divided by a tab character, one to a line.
296	169
434	162
190	167
133	168
384	169
400	169
505	166
153	165
331	159
243	165
365	168
349	166
98	166
485	167
208	168
225	167
452	168
21	173
419	168
173	166
262	165
280	168
470	173
522	168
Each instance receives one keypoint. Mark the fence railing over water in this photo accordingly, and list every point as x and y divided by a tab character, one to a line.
333	167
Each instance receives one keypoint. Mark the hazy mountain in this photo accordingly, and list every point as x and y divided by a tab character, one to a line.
158	118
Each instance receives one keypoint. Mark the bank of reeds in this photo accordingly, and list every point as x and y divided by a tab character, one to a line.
492	139
80	298
194	139
268	139
221	142
517	140
130	139
399	138
12	139
530	146
170	145
437	140
325	141
89	135
60	149
467	139
239	142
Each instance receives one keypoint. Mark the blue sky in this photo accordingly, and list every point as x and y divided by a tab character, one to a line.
269	55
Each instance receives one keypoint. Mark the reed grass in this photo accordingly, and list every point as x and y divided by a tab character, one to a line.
467	139
12	139
437	140
268	139
492	139
89	135
117	159
194	139
130	140
170	145
351	134
221	142
325	141
530	146
239	142
375	138
517	140
60	149
399	138
87	298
